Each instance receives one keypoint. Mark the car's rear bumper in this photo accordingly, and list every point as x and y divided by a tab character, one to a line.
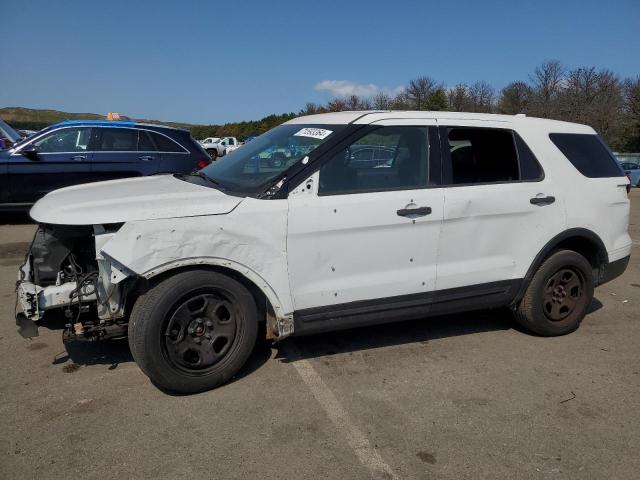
613	269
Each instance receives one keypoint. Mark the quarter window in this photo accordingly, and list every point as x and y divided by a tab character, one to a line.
389	158
165	144
588	154
64	140
482	155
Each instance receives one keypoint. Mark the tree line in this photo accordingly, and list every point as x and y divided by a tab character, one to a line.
596	97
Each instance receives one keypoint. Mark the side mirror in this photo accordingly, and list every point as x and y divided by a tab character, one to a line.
30	152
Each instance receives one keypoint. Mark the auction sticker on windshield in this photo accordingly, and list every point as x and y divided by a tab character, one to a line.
320	133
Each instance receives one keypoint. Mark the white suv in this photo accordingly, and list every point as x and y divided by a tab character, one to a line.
333	221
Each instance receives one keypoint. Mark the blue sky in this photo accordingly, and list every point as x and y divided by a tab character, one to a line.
213	62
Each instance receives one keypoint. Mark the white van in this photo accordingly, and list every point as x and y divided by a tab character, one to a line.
333	221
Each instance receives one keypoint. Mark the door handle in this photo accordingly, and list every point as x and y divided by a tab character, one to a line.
79	158
418	212
542	201
146	158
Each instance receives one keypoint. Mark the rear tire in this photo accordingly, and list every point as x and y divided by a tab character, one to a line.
213	153
193	331
559	295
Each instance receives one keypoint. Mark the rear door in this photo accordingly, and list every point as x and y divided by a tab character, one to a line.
175	157
500	208
63	159
122	152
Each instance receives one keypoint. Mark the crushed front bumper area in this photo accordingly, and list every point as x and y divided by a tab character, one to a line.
65	271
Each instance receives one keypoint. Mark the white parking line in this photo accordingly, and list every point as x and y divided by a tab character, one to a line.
366	453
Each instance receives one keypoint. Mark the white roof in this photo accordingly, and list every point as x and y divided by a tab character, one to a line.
370	116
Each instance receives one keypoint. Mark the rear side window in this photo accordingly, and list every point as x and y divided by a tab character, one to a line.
588	154
144	142
118	140
482	155
165	144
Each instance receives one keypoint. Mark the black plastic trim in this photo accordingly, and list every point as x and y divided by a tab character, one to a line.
614	269
404	307
552	244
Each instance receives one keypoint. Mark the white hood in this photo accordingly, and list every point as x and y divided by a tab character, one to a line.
142	198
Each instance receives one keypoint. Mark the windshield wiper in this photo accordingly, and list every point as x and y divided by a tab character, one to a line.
201	174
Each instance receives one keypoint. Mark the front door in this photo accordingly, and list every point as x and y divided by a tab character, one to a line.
62	159
365	227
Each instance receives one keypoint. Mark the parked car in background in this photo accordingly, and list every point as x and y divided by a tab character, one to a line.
632	171
471	211
219	147
8	136
209	144
78	151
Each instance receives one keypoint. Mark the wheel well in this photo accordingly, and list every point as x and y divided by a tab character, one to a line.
581	241
262	302
589	249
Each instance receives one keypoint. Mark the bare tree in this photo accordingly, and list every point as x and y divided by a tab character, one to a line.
547	80
418	92
458	98
336	105
632	113
515	98
382	101
481	96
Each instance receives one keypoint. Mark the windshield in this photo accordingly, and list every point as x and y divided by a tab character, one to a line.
254	166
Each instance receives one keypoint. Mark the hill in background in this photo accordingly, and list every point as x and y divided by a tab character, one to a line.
36	119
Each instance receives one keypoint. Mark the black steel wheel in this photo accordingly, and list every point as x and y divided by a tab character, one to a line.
201	331
193	331
558	296
563	293
213	153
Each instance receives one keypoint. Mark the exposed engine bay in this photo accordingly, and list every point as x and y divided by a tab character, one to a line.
65	273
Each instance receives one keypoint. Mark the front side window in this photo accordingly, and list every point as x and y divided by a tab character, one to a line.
256	165
482	155
64	140
389	158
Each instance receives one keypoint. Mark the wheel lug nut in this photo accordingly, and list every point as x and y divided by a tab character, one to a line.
197	340
209	323
199	321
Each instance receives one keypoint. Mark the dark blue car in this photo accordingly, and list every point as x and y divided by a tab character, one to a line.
82	151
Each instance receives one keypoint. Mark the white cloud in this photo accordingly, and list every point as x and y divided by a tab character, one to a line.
344	88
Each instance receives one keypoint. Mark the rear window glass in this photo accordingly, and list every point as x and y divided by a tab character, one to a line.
588	154
165	144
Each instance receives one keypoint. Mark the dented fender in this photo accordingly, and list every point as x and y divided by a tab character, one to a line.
251	240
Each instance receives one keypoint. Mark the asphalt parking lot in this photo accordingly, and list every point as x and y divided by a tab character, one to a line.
467	396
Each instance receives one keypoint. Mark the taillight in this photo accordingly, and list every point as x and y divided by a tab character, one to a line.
203	162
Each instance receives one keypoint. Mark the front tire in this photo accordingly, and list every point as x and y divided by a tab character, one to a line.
193	331
559	295
213	153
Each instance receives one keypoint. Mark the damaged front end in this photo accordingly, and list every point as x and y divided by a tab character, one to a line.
66	277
